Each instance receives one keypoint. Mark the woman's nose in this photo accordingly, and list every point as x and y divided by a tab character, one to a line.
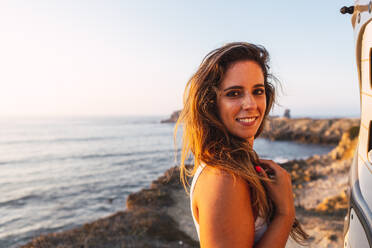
249	102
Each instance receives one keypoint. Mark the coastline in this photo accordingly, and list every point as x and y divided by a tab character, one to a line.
160	216
305	130
151	219
308	130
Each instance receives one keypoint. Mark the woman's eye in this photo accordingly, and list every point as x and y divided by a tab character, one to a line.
259	91
233	93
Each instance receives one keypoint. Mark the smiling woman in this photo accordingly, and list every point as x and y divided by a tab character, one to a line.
237	199
241	100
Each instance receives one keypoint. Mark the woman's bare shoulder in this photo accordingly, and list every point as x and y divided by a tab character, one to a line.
217	178
216	185
224	208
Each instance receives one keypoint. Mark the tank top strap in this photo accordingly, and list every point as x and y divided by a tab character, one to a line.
196	176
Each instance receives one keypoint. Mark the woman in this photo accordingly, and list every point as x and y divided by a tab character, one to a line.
237	199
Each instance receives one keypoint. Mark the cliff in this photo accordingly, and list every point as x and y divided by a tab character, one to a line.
306	130
173	118
320	131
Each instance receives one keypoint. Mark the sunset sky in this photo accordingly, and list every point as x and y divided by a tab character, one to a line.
134	57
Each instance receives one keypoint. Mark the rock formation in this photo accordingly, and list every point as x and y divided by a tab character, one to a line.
306	130
173	118
319	131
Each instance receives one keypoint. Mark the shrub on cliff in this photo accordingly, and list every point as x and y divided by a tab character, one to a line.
347	145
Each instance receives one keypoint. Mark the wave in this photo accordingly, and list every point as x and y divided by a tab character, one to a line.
280	160
13	142
10	221
84	157
21	201
68	140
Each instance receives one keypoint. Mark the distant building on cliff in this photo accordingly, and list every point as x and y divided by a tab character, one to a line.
287	113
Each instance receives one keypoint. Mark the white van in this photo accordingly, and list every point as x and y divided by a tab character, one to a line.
358	222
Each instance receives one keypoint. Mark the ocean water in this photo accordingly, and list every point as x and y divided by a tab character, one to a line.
58	173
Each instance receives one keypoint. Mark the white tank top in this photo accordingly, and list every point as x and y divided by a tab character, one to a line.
260	225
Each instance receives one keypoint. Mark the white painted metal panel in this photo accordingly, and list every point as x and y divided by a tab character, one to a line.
365	64
365	182
358	239
362	14
365	122
365	168
361	21
363	137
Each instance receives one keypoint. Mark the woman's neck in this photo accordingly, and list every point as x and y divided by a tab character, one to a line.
250	141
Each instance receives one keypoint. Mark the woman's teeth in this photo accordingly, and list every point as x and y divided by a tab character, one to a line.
246	119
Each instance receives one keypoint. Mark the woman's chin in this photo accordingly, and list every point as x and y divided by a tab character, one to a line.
248	137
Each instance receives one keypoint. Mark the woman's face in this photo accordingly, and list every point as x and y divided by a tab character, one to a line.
241	99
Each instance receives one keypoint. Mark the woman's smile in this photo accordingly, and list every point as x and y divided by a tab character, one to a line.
247	121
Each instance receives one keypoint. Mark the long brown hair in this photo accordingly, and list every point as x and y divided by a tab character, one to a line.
207	137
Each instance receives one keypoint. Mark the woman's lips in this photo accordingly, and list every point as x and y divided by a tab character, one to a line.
247	121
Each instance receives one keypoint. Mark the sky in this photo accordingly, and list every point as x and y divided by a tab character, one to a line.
84	58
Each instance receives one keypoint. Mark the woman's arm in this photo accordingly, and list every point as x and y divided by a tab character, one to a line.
280	190
224	210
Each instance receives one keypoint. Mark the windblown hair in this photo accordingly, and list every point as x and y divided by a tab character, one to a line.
208	139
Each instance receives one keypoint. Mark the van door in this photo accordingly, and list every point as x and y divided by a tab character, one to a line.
359	219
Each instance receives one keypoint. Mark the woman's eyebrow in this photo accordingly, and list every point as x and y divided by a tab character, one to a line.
233	88
240	87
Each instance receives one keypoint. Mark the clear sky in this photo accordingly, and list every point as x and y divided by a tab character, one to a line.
107	57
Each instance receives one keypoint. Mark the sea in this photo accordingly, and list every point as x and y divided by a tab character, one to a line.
57	173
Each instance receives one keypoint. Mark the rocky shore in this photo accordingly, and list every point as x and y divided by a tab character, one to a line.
317	131
306	130
160	216
319	186
153	218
